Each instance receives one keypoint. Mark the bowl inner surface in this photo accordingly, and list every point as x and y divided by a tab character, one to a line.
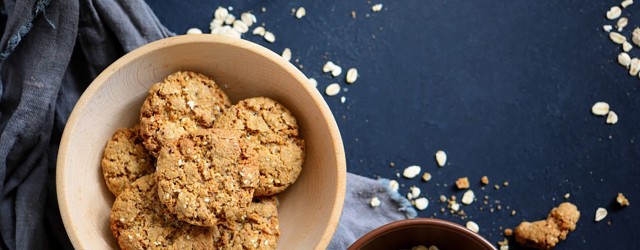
309	210
406	234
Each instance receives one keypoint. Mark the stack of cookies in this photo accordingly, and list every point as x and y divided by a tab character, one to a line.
198	172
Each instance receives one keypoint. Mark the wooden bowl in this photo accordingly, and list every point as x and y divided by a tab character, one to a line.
309	210
405	234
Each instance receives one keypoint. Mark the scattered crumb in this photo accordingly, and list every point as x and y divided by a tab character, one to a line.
301	12
496	187
194	31
612	118
426	176
393	185
607	28
506	184
443	198
545	234
623	201
353	14
375	202
513	212
462	183
508	232
392	164
484	180
567	195
601	213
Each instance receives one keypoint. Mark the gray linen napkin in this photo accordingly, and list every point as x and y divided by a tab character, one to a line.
49	52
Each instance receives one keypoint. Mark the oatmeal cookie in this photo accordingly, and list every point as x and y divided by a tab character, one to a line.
182	103
254	228
201	176
272	141
140	221
125	159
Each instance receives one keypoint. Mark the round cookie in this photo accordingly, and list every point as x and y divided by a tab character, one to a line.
183	102
254	228
140	221
201	175
125	159
271	135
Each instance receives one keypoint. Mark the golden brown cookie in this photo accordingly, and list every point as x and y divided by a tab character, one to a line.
125	159
254	228
201	175
271	135
183	102
140	221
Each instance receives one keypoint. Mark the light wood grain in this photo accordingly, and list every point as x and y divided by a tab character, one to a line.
309	210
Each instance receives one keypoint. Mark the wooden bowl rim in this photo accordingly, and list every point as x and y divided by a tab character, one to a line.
341	170
397	225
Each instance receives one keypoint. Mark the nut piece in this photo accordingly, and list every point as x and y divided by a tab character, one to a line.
411	171
332	89
600	108
624	59
601	213
462	183
617	37
376	7
259	31
473	226
635	36
626	46
301	12
286	54
421	203
614	13
467	197
622	200
426	176
626	3
607	28
270	37
393	185
484	180
622	22
352	75
375	202
194	31
634	68
612	118
441	158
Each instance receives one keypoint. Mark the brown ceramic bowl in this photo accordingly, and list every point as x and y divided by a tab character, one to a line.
406	234
309	210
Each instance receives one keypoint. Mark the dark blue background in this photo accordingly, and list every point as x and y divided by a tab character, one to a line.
504	87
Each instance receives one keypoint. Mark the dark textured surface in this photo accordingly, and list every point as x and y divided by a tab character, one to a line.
504	87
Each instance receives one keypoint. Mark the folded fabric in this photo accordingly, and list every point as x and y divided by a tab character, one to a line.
49	53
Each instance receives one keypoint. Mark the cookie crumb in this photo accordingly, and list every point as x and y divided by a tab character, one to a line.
462	183
567	195
545	234
508	232
623	201
353	14
506	184
496	187
392	164
375	202
484	180
426	176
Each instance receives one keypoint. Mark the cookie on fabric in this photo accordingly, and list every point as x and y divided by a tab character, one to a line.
182	103
254	228
202	175
125	159
272	141
140	221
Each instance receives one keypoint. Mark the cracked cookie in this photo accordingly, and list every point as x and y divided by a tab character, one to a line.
254	228
125	160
